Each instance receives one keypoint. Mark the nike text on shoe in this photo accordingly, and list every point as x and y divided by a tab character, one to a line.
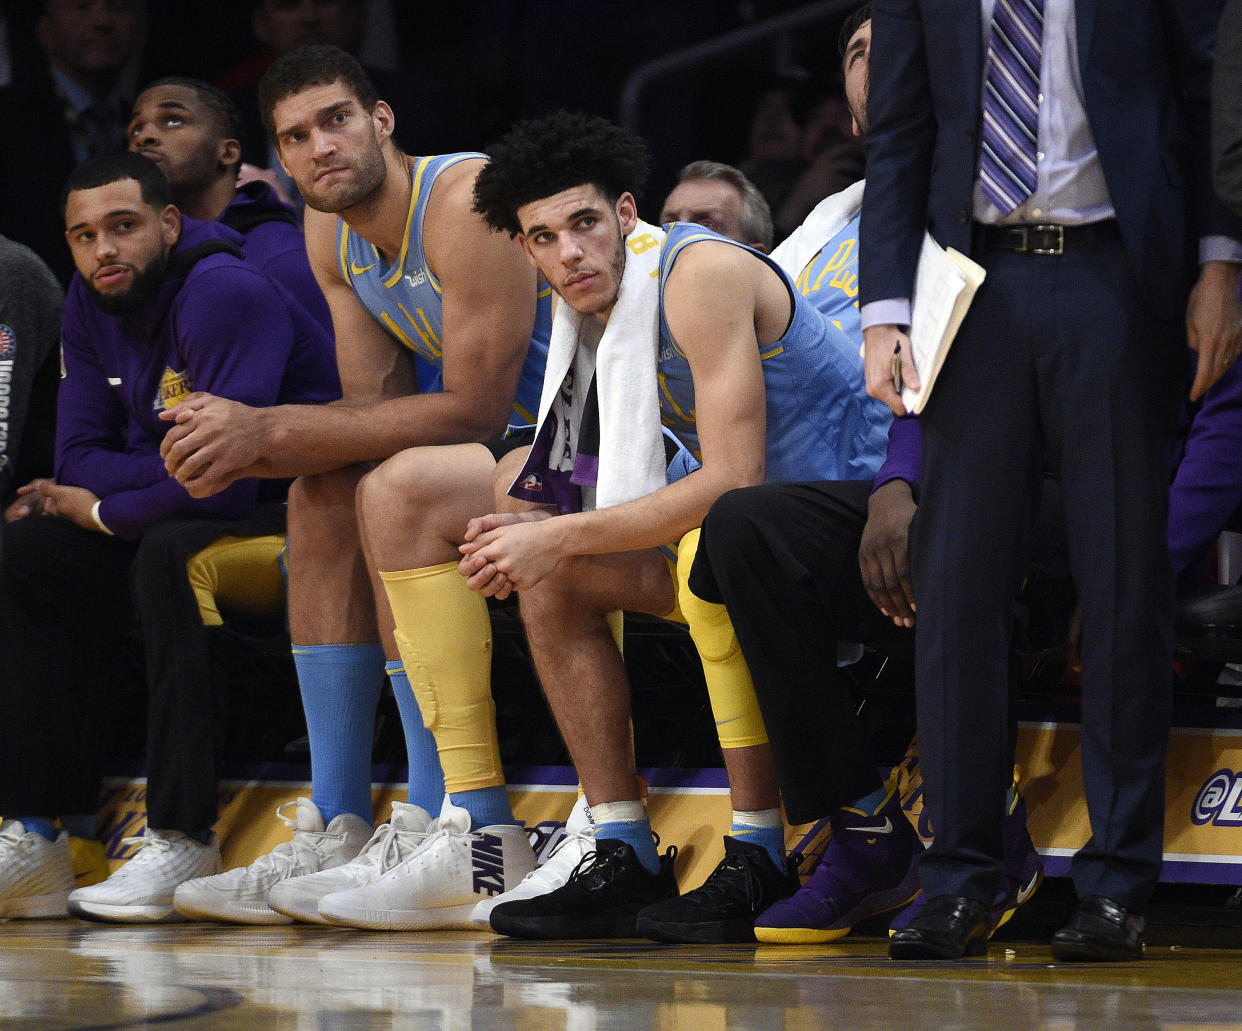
602	898
578	840
240	895
141	891
723	909
36	875
298	898
867	867
438	885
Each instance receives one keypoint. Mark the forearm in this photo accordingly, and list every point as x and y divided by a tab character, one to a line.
660	518
129	514
299	440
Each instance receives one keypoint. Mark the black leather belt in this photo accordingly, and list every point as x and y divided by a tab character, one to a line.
1043	238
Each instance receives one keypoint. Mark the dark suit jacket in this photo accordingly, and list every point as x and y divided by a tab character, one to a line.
1146	75
1227	107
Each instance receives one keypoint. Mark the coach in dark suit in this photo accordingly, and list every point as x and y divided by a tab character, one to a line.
1068	154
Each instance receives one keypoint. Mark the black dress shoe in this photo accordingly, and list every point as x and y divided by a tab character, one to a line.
948	927
1099	930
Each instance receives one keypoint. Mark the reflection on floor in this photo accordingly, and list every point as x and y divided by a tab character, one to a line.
70	976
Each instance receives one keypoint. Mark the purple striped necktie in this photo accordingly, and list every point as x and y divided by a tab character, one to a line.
1011	103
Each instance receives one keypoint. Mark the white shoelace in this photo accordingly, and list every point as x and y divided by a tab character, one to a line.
389	845
284	857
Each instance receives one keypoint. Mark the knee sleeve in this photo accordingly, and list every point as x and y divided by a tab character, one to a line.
444	634
739	722
240	574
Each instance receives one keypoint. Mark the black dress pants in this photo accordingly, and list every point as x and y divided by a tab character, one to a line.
783	558
1059	363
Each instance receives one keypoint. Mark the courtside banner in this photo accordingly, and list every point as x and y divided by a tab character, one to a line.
690	808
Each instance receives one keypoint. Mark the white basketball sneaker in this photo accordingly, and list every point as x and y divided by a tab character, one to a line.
438	885
298	898
141	891
578	840
240	895
36	875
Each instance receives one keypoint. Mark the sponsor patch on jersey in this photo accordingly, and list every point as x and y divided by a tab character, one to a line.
533	482
174	386
8	342
417	278
1219	801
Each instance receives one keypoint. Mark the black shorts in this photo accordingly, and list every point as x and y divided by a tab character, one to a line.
520	436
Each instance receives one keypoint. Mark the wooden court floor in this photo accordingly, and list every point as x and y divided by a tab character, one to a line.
70	976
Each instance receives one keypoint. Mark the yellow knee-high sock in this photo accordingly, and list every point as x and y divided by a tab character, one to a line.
738	719
445	638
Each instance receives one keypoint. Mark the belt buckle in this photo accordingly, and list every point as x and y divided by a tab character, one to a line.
1059	247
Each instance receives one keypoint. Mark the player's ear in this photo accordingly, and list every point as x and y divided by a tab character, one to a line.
627	213
385	121
170	224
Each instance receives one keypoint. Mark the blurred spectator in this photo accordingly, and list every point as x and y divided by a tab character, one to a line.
722	199
802	148
74	103
280	26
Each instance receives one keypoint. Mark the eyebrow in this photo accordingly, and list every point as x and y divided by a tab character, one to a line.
316	116
117	213
573	217
853	48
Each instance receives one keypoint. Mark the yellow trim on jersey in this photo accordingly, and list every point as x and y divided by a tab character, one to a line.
344	250
771	353
429	339
397	331
528	416
545	291
415	187
663	380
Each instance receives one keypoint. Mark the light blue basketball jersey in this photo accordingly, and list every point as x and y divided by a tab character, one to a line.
405	298
821	425
830	280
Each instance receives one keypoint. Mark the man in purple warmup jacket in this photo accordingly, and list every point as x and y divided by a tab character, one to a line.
161	306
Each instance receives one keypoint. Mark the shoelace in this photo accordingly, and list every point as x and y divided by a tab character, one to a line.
284	856
601	867
390	845
9	839
540	872
721	882
150	848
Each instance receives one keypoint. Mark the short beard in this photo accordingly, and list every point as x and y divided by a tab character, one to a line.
368	177
138	295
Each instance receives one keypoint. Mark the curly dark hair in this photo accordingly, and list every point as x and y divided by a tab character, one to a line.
543	156
319	65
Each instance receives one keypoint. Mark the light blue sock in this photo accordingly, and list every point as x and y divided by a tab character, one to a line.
627	821
38	825
426	787
871	803
486	806
341	685
763	828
